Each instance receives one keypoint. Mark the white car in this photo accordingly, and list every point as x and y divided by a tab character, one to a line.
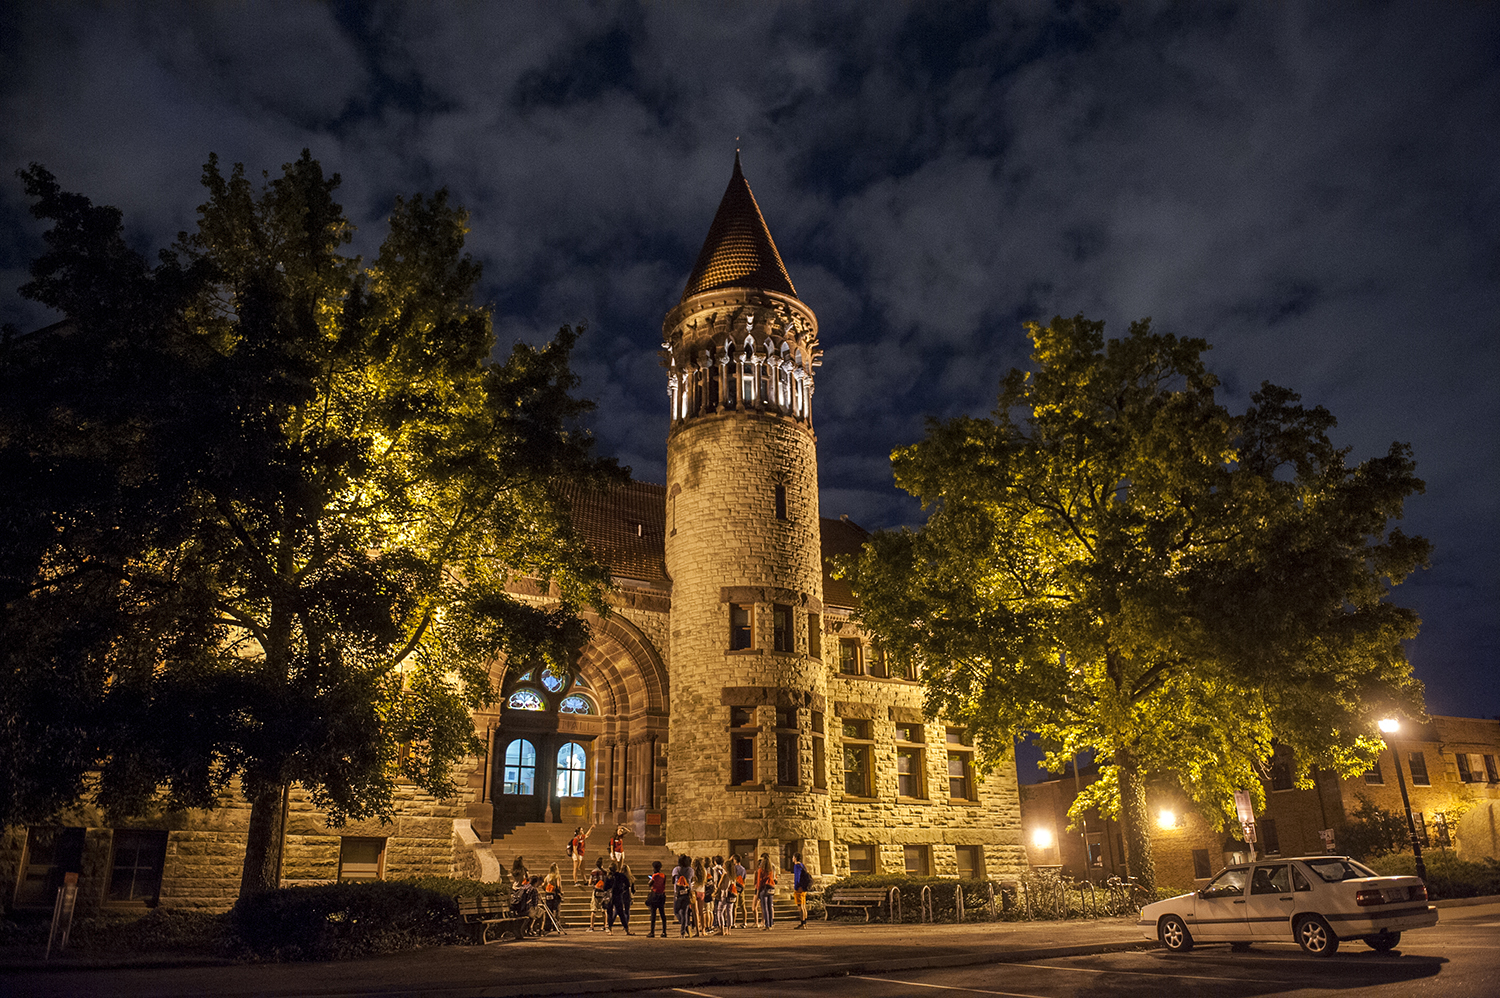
1316	900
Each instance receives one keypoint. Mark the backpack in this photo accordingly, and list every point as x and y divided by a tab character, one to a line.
600	880
683	885
804	880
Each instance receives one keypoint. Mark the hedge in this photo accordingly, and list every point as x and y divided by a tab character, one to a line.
1447	875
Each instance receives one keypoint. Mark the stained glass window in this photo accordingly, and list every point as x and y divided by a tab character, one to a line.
526	700
553	678
575	704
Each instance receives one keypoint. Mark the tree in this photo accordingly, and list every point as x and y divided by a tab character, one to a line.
1116	562
261	505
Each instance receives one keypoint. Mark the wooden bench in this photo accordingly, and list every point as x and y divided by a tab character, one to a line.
491	914
863	898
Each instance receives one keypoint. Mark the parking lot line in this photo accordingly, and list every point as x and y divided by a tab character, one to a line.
1155	973
947	987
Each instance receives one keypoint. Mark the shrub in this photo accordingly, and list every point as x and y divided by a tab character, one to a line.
347	920
1447	875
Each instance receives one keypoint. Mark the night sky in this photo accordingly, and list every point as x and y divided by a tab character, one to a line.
1313	188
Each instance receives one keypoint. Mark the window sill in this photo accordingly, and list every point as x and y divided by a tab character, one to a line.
913	800
745	787
848	799
879	679
963	800
742	651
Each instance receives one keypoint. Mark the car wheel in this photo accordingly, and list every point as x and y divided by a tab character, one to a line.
1314	936
1239	947
1174	935
1383	942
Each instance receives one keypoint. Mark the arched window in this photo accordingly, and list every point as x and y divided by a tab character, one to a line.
571	769
554	678
575	704
526	700
520	768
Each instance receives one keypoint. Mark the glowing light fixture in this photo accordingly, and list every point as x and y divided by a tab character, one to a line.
1390	725
1167	818
1041	838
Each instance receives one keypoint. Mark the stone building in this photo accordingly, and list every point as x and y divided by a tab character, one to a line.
729	702
1449	766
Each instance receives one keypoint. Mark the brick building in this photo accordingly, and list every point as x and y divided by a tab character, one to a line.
1450	769
729	703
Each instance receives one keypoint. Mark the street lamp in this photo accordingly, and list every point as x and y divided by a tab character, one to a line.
1390	726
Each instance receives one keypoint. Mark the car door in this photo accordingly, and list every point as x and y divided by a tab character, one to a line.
1268	909
1219	912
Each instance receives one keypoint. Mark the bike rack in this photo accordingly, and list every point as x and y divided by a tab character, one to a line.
893	898
958	901
926	903
990	887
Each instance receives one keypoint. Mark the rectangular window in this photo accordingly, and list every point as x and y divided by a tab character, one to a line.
1372	775
877	662
1492	769
50	853
740	634
136	865
960	764
361	858
781	502
1201	868
741	745
825	857
815	635
781	627
745	850
1476	766
786	758
970	863
899	668
1281	775
1419	770
909	772
857	752
819	752
1465	774
861	859
1268	839
849	656
917	861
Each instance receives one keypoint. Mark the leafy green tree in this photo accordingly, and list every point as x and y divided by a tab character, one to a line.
1114	561
261	505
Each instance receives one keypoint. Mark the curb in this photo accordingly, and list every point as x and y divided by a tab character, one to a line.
1466	902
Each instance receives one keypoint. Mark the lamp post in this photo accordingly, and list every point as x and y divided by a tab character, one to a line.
1390	726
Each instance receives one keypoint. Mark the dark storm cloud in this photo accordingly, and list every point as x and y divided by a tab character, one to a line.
1312	188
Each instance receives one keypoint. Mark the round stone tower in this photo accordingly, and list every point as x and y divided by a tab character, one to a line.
746	762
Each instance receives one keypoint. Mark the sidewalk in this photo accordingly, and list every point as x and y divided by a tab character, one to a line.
594	963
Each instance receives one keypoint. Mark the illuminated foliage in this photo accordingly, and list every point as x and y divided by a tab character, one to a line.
1117	563
261	505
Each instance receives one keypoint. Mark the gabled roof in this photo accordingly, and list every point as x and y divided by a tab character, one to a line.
841	536
739	251
625	527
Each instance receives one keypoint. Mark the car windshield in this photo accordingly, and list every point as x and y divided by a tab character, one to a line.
1334	869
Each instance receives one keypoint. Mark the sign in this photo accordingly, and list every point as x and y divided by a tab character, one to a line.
1247	831
1327	836
62	914
1244	808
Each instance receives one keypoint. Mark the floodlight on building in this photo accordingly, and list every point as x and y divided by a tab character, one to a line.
1041	838
1390	725
1167	818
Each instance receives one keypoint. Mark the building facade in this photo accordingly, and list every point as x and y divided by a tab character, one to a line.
729	701
1450	765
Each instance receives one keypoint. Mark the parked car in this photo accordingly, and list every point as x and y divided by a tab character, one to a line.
1316	900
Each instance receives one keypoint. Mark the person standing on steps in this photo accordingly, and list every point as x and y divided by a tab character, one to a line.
765	890
801	884
576	847
656	900
617	846
599	882
700	885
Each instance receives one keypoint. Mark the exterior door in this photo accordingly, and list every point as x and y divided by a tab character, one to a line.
572	783
1271	902
518	781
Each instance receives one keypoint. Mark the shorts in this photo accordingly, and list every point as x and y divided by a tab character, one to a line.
601	902
799	898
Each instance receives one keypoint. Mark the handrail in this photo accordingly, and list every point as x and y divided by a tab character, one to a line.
926	903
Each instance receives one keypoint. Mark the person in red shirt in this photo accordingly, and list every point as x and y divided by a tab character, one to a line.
656	899
617	845
575	852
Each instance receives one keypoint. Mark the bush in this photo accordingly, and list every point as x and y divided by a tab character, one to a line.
348	920
1447	875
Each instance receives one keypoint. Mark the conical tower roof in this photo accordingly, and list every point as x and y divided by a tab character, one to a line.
739	251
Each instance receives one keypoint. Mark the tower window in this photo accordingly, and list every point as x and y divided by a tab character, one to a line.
849	656
741	745
781	502
781	627
739	627
815	635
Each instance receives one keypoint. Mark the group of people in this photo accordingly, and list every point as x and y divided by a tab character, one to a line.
709	894
536	897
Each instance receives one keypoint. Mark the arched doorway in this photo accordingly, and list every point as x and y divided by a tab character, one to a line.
572	782
518	779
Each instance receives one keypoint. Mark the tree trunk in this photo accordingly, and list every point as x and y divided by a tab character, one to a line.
1136	821
263	841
